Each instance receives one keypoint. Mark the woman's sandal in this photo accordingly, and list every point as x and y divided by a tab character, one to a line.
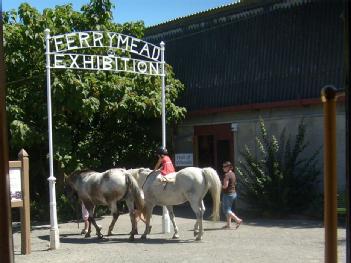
238	224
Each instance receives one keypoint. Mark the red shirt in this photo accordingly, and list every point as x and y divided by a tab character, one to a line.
167	165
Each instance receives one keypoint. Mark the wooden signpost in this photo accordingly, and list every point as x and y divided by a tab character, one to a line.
19	188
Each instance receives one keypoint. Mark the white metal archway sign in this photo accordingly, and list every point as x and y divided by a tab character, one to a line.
63	55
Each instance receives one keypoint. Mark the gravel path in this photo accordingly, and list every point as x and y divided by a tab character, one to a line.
257	241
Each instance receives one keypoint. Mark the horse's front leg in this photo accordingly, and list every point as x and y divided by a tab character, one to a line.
98	229
115	215
147	213
172	217
91	220
133	221
196	228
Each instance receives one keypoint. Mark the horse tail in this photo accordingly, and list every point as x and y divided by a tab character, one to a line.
215	188
135	190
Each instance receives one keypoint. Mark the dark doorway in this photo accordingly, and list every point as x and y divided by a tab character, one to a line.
223	154
214	144
206	151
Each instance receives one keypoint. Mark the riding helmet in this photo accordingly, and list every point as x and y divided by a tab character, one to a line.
161	151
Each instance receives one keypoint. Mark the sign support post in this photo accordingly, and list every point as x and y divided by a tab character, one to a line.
165	214
25	210
19	189
54	231
62	58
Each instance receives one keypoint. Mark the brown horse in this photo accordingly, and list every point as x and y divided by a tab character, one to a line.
94	188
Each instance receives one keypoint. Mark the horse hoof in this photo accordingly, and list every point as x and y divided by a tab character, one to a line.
87	235
109	234
175	236
196	233
149	230
143	237
198	238
100	236
131	238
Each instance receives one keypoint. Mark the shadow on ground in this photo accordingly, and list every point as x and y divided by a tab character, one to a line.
185	211
117	238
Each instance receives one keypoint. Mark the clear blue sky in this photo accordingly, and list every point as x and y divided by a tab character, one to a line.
150	11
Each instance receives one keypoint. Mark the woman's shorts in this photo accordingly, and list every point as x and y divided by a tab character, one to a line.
227	202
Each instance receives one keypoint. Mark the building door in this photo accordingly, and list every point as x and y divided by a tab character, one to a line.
214	145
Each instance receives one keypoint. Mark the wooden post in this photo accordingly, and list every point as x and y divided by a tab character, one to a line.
23	204
347	6
6	242
25	209
330	177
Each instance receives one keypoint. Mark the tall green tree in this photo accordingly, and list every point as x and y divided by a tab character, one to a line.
100	119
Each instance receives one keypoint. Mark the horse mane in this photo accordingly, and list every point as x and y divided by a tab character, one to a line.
136	172
76	172
79	174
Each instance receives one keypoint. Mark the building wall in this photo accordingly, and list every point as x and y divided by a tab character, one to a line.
243	54
275	120
237	59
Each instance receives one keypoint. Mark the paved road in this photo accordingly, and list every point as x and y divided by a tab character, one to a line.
256	241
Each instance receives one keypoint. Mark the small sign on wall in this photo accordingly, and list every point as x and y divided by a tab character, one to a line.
15	184
184	159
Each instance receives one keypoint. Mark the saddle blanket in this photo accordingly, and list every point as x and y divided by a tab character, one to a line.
169	178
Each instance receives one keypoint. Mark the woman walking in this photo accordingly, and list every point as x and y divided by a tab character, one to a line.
229	195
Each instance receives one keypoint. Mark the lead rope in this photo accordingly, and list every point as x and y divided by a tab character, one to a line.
77	215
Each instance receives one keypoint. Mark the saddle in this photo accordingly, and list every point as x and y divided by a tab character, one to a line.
169	178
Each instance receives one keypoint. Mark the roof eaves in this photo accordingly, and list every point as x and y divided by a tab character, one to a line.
200	13
210	12
240	6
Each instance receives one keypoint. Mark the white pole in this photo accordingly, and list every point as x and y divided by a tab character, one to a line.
54	231
163	98
165	217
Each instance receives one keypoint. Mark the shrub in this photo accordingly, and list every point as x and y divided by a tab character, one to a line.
278	180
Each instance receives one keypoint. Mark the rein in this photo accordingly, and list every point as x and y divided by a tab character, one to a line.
127	184
146	179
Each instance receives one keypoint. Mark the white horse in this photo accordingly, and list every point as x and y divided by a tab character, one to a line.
190	184
107	188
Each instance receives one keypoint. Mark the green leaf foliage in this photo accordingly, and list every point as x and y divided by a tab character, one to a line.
280	179
100	119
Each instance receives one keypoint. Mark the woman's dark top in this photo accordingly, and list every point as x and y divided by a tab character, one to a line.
231	184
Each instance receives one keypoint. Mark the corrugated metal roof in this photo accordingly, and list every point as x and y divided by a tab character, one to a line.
243	8
235	3
270	54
